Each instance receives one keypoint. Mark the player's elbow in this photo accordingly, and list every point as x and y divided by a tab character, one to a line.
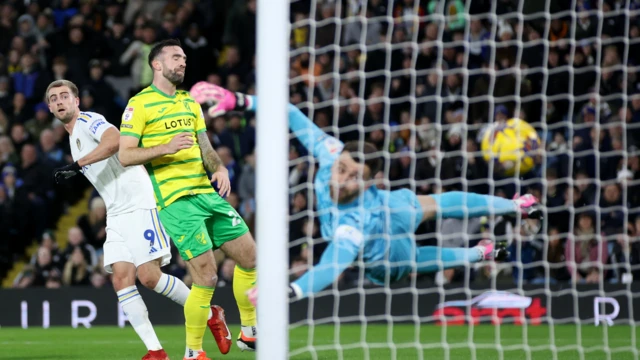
112	148
124	158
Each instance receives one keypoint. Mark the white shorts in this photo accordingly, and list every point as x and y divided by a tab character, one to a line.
136	237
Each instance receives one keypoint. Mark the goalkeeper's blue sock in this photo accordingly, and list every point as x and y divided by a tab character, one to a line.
136	311
460	205
428	256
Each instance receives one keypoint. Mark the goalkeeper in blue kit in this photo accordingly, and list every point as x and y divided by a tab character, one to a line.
359	219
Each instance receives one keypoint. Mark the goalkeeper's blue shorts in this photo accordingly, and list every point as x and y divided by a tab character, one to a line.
405	215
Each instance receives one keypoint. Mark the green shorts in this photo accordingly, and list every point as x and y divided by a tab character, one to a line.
197	223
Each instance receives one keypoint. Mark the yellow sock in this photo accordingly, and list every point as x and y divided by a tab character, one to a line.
243	281
196	313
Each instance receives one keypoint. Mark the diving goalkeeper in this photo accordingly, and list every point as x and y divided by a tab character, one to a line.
353	217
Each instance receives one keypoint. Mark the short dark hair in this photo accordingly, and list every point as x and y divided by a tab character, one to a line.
157	48
366	155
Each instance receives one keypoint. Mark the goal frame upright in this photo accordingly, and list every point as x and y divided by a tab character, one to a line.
272	209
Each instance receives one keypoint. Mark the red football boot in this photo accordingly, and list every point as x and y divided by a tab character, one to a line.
156	355
219	329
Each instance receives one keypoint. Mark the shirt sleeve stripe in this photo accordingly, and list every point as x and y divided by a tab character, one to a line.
127	133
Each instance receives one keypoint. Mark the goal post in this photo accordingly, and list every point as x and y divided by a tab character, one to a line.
272	138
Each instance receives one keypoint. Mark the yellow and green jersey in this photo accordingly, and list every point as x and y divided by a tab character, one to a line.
155	118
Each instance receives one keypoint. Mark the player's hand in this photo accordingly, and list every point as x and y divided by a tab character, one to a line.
220	100
179	142
221	176
66	172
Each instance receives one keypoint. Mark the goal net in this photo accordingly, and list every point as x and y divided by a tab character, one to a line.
422	81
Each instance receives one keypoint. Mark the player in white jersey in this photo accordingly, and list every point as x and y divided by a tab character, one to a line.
136	240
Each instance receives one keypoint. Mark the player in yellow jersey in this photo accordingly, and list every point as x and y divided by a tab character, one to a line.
164	129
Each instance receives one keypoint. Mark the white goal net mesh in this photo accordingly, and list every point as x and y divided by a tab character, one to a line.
421	80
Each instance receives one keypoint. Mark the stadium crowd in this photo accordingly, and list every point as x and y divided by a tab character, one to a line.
387	75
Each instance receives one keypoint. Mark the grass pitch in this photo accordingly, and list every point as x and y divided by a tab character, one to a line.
403	342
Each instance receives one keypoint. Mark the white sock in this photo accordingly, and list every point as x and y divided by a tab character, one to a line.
174	289
137	314
250	331
191	354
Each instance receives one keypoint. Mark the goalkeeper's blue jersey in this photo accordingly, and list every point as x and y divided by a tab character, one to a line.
387	221
378	226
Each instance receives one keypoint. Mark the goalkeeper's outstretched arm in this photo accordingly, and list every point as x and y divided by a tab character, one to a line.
337	257
323	146
221	101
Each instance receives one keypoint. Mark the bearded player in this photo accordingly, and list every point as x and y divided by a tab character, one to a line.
357	218
136	240
164	129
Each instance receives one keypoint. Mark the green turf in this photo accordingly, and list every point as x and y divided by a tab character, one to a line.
403	342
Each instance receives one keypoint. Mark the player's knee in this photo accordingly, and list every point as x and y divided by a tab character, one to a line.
122	280
149	281
247	263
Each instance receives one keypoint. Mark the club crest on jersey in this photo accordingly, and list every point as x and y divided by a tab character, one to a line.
79	144
186	105
128	114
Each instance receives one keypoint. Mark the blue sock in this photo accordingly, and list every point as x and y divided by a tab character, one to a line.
460	205
428	256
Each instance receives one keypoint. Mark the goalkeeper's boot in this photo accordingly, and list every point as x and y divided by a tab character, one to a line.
529	206
156	355
218	326
500	253
247	342
486	248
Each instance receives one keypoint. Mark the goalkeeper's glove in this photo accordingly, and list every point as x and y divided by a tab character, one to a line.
219	100
66	172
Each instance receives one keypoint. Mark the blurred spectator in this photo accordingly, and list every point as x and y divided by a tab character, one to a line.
137	55
231	164
48	241
247	182
76	270
611	209
586	254
238	138
225	274
93	224
98	280
7	152
51	154
625	256
240	29
199	55
39	122
77	241
44	267
106	98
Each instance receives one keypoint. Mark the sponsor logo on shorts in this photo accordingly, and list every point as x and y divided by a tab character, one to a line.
181	239
79	144
201	239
